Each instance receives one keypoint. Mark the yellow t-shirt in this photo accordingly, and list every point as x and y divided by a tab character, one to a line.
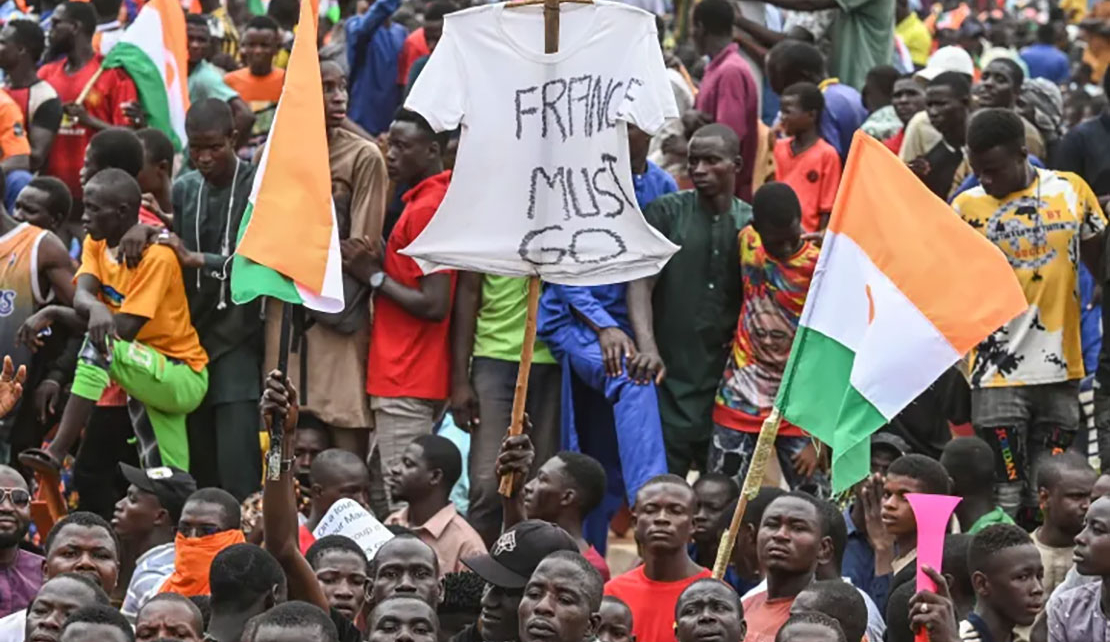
1039	229
154	290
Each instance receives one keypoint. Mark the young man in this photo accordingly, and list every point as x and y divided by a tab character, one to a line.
96	623
945	165
210	522
374	44
744	572
403	619
408	373
336	474
999	87
908	99
156	176
296	621
776	266
169	615
908	474
705	222
663	518
616	621
709	609
962	459
791	544
342	569
1064	484
839	600
59	598
44	203
113	99
21	47
207	81
805	161
561	600
1006	572
424	477
1077	614
1044	58
246	581
146	519
728	91
259	82
20	570
155	356
405	565
1033	364
715	493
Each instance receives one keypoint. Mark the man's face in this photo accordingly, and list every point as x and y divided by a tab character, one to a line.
709	613
908	99
103	213
54	603
33	206
881	459
89	167
897	515
89	632
335	93
1001	170
258	49
199	39
409	154
63	31
781	242
1067	503
306	445
793	117
712	169
410	479
498	618
544	494
1012	583
136	513
556	606
433	30
10	50
212	153
713	498
201	519
996	87
405	567
615	624
350	482
789	538
166	620
947	112
342	575
1092	544
15	509
402	620
664	517
89	550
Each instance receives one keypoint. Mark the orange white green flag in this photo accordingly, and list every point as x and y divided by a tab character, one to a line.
289	242
902	290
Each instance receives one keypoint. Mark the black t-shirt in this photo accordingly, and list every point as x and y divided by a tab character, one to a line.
348	632
943	163
468	634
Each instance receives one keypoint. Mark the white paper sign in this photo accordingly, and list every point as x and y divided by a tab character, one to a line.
347	518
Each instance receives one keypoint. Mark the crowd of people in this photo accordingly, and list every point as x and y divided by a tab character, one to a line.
134	384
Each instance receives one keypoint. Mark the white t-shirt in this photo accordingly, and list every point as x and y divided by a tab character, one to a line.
542	181
13	628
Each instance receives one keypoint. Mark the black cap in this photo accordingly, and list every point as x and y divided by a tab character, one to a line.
519	550
172	486
891	441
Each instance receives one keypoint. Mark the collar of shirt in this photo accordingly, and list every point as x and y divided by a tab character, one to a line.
731	50
852	530
414	194
435	525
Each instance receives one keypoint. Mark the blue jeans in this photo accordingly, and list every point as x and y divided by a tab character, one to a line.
730	453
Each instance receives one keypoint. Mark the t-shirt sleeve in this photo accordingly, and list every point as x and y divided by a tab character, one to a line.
830	181
153	279
90	262
657	215
48	115
116	89
13	140
1094	221
648	98
440	92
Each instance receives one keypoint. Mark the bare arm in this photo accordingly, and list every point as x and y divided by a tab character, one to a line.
431	301
56	269
464	321
763	36
41	140
640	313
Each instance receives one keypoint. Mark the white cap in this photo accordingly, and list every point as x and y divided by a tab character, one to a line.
949	58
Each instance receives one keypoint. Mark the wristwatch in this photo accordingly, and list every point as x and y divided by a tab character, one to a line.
376	280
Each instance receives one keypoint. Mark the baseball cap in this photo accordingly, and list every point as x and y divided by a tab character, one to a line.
519	550
950	58
172	486
891	441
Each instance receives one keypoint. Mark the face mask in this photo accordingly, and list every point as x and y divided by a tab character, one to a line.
193	558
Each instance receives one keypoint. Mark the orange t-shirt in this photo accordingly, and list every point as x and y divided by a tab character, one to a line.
154	290
814	175
765	617
13	138
256	88
652	603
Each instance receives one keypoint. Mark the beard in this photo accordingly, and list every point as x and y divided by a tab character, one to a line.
13	538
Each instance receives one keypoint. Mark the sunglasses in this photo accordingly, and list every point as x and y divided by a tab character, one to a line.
18	496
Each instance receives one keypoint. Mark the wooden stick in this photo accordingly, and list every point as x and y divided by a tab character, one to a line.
88	86
550	26
764	449
520	394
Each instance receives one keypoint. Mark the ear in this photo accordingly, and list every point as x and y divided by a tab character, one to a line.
1042	497
980	583
594	625
569	495
825	553
441	590
738	161
317	490
743	629
435	476
162	518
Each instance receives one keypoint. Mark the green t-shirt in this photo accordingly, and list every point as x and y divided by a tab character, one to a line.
863	37
500	329
207	81
996	516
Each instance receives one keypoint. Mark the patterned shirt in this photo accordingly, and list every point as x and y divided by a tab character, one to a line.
151	570
1076	616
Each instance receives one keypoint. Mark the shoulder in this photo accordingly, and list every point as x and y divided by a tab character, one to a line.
159	257
363	149
970	198
237	78
671	205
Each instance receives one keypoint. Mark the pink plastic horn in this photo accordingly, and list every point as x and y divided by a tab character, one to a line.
932	513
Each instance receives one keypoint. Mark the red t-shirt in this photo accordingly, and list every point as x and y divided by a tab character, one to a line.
652	603
894	143
814	175
415	47
410	357
765	617
305	538
597	561
105	101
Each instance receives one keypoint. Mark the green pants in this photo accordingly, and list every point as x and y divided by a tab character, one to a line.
168	389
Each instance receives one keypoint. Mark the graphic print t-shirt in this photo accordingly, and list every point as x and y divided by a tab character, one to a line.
552	129
1039	229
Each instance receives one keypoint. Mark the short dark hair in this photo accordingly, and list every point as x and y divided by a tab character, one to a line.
204	603
107	9
100	596
331	543
83	519
330	462
176	598
897	613
798	60
963	459
588	477
299	615
842	602
403	115
995	127
715	582
210	114
719	478
264	23
776	204
591	578
810	617
992	540
156	145
233	515
724	132
753	514
1013	70
59	200
809	96
954	80
462	593
716	16
664	479
954	562
926	470
884	77
83	14
117	147
240	574
1046	33
101	614
837	530
822	519
198	20
397	538
436	10
122	186
29	35
1051	468
443	455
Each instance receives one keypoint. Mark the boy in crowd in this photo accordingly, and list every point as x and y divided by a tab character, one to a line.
169	615
1064	484
709	609
962	458
744	572
246	581
21	47
342	569
616	620
405	565
1006	572
663	518
715	493
944	166
259	83
776	266
296	621
561	600
805	161
424	476
1076	615
45	203
156	176
908	99
207	81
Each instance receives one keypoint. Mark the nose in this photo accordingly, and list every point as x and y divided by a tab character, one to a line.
405	634
345	590
85	563
406	585
546	605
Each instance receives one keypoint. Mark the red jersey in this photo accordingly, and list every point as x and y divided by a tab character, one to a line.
105	101
651	602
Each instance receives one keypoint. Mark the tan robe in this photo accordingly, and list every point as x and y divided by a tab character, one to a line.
336	374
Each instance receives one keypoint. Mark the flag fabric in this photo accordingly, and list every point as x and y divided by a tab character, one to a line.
153	51
902	290
288	244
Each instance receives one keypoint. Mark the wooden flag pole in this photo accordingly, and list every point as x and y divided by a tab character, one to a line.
764	449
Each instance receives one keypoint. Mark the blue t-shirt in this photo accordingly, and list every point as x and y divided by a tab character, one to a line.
1046	61
843	114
